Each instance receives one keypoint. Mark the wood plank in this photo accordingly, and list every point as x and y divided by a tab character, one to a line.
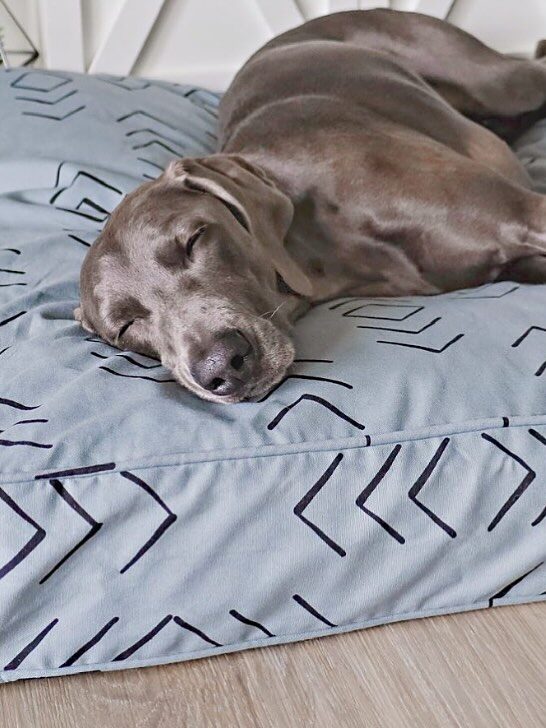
478	669
121	47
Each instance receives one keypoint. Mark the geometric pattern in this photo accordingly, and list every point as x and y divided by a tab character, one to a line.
397	471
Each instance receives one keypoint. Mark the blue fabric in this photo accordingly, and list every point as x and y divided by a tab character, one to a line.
398	472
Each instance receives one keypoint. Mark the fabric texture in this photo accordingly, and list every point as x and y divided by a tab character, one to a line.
398	471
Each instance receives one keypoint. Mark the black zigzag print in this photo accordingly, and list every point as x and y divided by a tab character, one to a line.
522	487
168	521
94	526
308	608
41	85
300	507
77	191
542	515
319	400
420	483
250	622
81	651
370	488
522	338
31	646
30	545
508	588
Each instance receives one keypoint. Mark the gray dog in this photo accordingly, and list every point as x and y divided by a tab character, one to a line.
363	153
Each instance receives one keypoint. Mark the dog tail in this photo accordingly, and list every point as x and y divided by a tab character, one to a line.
540	50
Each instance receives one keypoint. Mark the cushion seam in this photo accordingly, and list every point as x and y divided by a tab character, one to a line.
181	459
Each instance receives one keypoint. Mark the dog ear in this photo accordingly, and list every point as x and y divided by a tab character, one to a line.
257	203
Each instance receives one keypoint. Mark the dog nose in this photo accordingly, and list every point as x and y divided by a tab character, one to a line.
226	366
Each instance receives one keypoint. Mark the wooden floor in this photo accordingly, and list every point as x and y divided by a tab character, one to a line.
479	669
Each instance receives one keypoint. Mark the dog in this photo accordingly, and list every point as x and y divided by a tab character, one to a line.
361	154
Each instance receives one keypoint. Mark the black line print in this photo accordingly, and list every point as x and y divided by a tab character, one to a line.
12	271
2	351
504	591
79	240
28	422
250	622
537	436
138	376
32	645
159	144
93	205
301	601
143	640
147	116
522	487
185	625
81	173
313	361
160	530
90	643
86	215
310	495
125	83
525	334
517	342
307	377
542	515
314	398
16	251
462	296
62	82
421	481
94	340
402	331
51	116
379	301
86	470
352	313
30	545
26	443
425	348
153	164
155	133
370	488
11	285
127	358
77	508
13	403
46	101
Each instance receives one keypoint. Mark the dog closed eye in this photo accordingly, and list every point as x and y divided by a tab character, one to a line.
124	328
192	240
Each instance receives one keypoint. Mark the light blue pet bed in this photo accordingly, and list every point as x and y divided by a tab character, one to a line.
399	471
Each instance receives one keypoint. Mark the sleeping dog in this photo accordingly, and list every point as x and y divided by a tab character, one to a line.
363	154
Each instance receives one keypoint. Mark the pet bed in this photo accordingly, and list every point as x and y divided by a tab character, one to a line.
398	471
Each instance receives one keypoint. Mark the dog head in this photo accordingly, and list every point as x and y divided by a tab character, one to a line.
191	268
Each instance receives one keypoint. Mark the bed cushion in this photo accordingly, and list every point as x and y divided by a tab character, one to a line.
399	471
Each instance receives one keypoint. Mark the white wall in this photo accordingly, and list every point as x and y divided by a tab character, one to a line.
192	39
